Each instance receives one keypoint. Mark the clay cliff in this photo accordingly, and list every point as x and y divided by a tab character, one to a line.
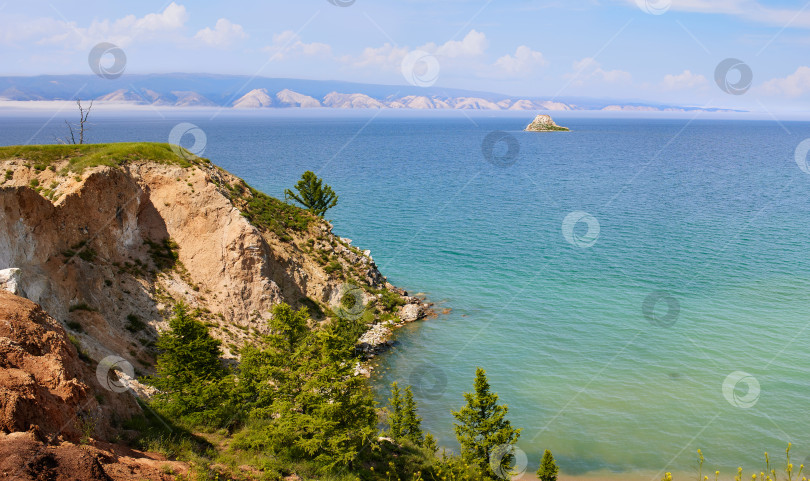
55	415
107	238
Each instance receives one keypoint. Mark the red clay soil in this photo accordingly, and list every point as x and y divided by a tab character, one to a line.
47	394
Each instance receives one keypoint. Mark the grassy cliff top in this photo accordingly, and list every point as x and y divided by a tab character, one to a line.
80	157
261	209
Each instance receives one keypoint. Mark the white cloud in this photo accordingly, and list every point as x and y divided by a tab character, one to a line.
389	57
465	56
288	44
121	32
386	57
165	26
473	45
748	9
524	62
589	69
684	80
794	85
223	34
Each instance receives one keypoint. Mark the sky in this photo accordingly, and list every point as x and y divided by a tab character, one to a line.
664	51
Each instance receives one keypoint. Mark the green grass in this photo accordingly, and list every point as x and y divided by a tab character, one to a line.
78	345
333	266
274	215
80	157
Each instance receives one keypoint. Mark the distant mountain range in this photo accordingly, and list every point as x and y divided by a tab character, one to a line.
243	92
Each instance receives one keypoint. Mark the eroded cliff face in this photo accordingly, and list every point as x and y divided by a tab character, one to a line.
55	414
109	250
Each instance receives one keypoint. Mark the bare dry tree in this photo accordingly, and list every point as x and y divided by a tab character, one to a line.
80	127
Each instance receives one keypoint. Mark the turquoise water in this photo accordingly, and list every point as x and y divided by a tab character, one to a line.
714	213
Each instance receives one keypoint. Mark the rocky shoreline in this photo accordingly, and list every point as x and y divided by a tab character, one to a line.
378	339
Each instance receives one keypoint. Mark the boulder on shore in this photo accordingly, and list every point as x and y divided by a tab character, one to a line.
544	123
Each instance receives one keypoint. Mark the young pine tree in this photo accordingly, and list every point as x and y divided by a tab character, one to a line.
410	419
403	419
320	410
395	413
482	427
548	469
313	194
190	375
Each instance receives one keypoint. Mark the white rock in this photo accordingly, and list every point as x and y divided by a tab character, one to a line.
411	312
10	281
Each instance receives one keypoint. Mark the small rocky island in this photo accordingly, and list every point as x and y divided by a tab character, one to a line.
544	123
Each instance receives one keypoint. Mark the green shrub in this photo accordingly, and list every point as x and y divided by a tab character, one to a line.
164	254
75	326
87	255
275	215
333	267
134	324
390	301
79	349
82	306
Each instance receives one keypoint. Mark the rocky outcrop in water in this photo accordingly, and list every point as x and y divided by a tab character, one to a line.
544	123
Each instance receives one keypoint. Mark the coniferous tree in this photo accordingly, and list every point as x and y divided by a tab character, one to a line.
313	194
403	419
320	410
548	469
192	381
411	421
395	414
482	427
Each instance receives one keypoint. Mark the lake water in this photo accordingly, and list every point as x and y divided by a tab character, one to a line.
682	325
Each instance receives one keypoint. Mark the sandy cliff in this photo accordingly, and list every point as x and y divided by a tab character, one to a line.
109	249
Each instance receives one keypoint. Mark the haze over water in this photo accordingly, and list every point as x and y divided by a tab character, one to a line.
714	212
